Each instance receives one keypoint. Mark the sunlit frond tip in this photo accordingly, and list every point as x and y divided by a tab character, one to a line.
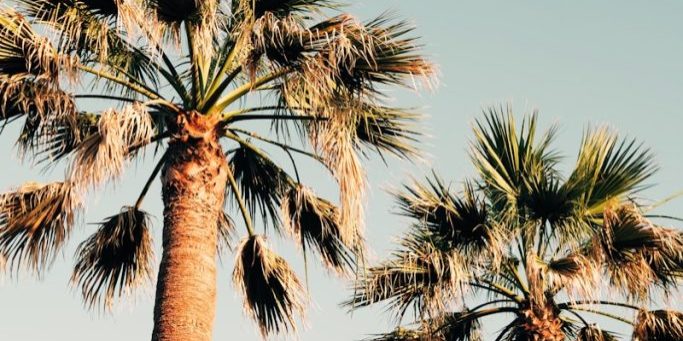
116	258
314	222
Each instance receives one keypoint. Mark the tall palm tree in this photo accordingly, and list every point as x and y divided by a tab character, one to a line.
546	250
96	82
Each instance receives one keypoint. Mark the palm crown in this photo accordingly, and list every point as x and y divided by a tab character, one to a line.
183	75
551	250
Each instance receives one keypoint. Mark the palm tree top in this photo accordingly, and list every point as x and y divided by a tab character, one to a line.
166	72
549	249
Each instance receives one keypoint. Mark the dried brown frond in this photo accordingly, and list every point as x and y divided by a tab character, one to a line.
388	129
103	155
334	141
23	51
578	274
313	222
262	182
630	244
658	325
35	221
272	292
428	280
116	259
402	334
593	333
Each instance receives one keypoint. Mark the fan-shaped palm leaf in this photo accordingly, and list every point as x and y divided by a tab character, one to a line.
314	222
115	259
272	292
35	221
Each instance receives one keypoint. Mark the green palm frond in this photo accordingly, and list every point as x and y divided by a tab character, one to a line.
593	333
272	292
115	259
609	169
658	325
262	182
35	222
314	222
505	158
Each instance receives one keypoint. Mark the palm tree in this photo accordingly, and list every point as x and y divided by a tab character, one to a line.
183	77
523	241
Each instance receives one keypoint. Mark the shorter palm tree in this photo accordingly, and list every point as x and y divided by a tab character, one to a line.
548	250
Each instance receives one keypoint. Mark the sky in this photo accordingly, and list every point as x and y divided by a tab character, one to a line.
579	63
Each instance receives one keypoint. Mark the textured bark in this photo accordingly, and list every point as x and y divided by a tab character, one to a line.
194	180
541	317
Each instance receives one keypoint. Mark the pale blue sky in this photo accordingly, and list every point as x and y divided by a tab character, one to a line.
579	62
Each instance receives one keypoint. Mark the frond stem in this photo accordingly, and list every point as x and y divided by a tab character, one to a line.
240	201
151	178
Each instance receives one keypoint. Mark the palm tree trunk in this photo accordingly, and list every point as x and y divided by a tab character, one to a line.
194	180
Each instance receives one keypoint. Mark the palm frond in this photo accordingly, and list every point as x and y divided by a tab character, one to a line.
24	52
272	292
460	326
609	169
262	182
226	230
449	221
658	325
506	159
401	334
115	259
578	274
593	333
314	221
631	244
35	222
102	156
419	276
388	129
84	27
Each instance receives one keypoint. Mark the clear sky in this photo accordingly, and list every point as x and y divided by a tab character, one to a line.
578	62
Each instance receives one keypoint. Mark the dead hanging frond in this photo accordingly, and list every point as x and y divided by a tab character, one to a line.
658	325
630	244
115	259
23	51
262	182
593	333
22	95
314	222
579	275
334	141
35	221
273	295
103	155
